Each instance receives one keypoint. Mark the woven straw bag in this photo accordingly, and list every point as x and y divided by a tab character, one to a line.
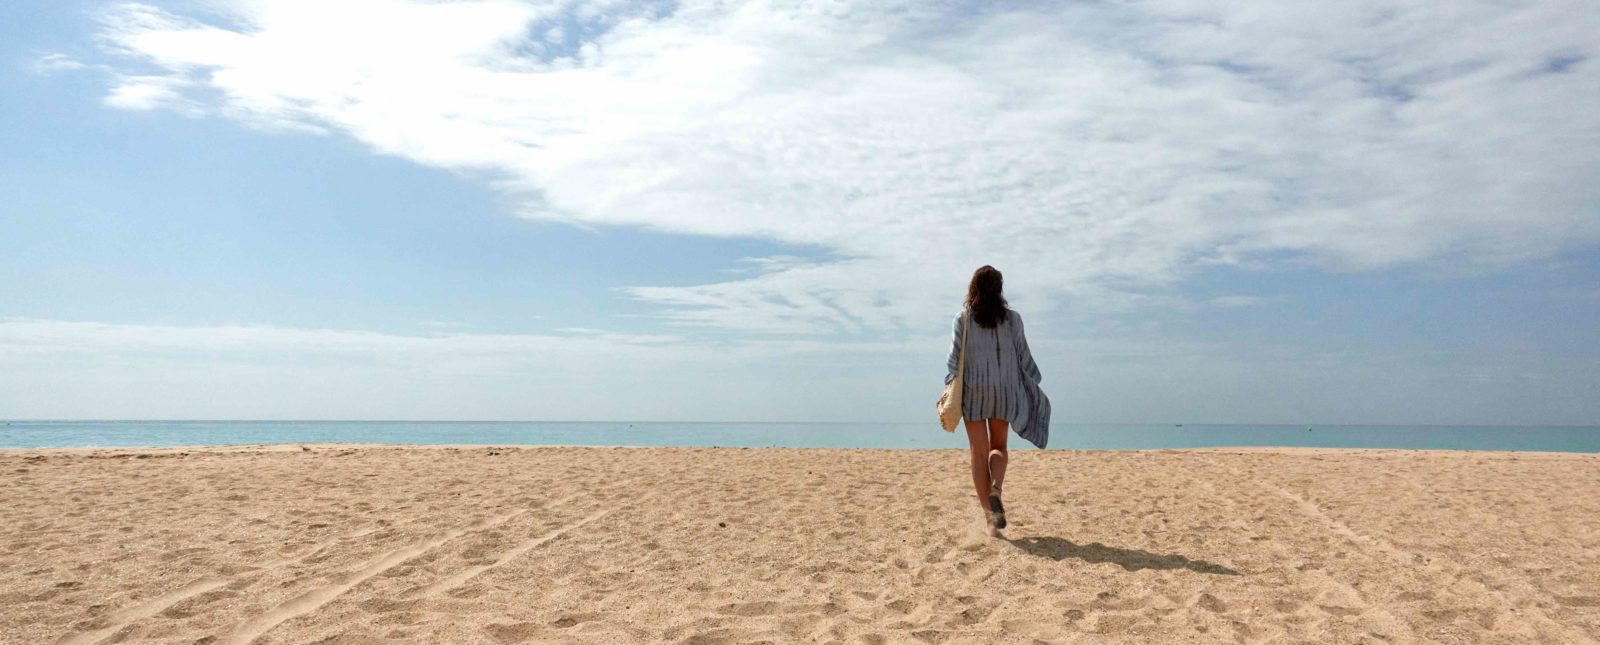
949	404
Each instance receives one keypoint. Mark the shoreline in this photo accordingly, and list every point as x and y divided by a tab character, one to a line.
301	447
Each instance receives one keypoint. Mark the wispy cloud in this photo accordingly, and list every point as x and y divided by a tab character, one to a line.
1578	294
1236	301
51	63
55	369
135	92
1102	151
27	337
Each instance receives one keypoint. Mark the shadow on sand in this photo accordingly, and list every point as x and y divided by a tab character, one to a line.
1130	559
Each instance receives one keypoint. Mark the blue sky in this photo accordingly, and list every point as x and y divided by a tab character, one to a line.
563	211
127	216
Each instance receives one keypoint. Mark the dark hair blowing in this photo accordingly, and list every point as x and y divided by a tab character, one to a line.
984	299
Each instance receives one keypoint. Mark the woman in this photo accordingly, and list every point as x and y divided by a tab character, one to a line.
1000	388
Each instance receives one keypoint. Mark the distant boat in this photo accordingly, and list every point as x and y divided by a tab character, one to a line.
1180	425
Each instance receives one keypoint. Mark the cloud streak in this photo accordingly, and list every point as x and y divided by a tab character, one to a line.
55	368
71	369
55	62
1102	152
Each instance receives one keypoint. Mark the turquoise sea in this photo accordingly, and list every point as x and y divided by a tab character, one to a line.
56	434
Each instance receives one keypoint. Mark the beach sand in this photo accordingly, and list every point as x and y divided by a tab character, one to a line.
371	544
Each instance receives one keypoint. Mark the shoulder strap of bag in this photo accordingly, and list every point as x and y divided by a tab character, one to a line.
961	363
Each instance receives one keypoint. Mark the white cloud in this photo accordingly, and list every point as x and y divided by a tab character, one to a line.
1094	151
51	63
149	93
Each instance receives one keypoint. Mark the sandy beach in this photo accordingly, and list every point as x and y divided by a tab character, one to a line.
372	544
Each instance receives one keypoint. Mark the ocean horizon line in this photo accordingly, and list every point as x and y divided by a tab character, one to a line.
1311	424
794	434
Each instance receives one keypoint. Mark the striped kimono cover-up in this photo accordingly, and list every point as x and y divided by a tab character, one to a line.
1001	380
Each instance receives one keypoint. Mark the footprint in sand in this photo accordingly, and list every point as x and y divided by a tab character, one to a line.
1287	605
970	616
757	608
516	632
569	620
1212	604
901	606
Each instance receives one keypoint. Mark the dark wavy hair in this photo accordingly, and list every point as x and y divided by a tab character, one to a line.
984	298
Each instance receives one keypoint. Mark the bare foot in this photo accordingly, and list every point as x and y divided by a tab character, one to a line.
997	512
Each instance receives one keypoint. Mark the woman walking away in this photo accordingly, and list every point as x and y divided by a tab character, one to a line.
1000	389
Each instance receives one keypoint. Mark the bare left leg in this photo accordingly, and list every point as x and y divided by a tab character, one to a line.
998	455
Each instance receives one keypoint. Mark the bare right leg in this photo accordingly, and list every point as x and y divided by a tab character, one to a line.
978	442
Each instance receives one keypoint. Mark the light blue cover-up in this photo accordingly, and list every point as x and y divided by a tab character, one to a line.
1001	380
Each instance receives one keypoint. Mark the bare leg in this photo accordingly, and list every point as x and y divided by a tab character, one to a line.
998	455
978	441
